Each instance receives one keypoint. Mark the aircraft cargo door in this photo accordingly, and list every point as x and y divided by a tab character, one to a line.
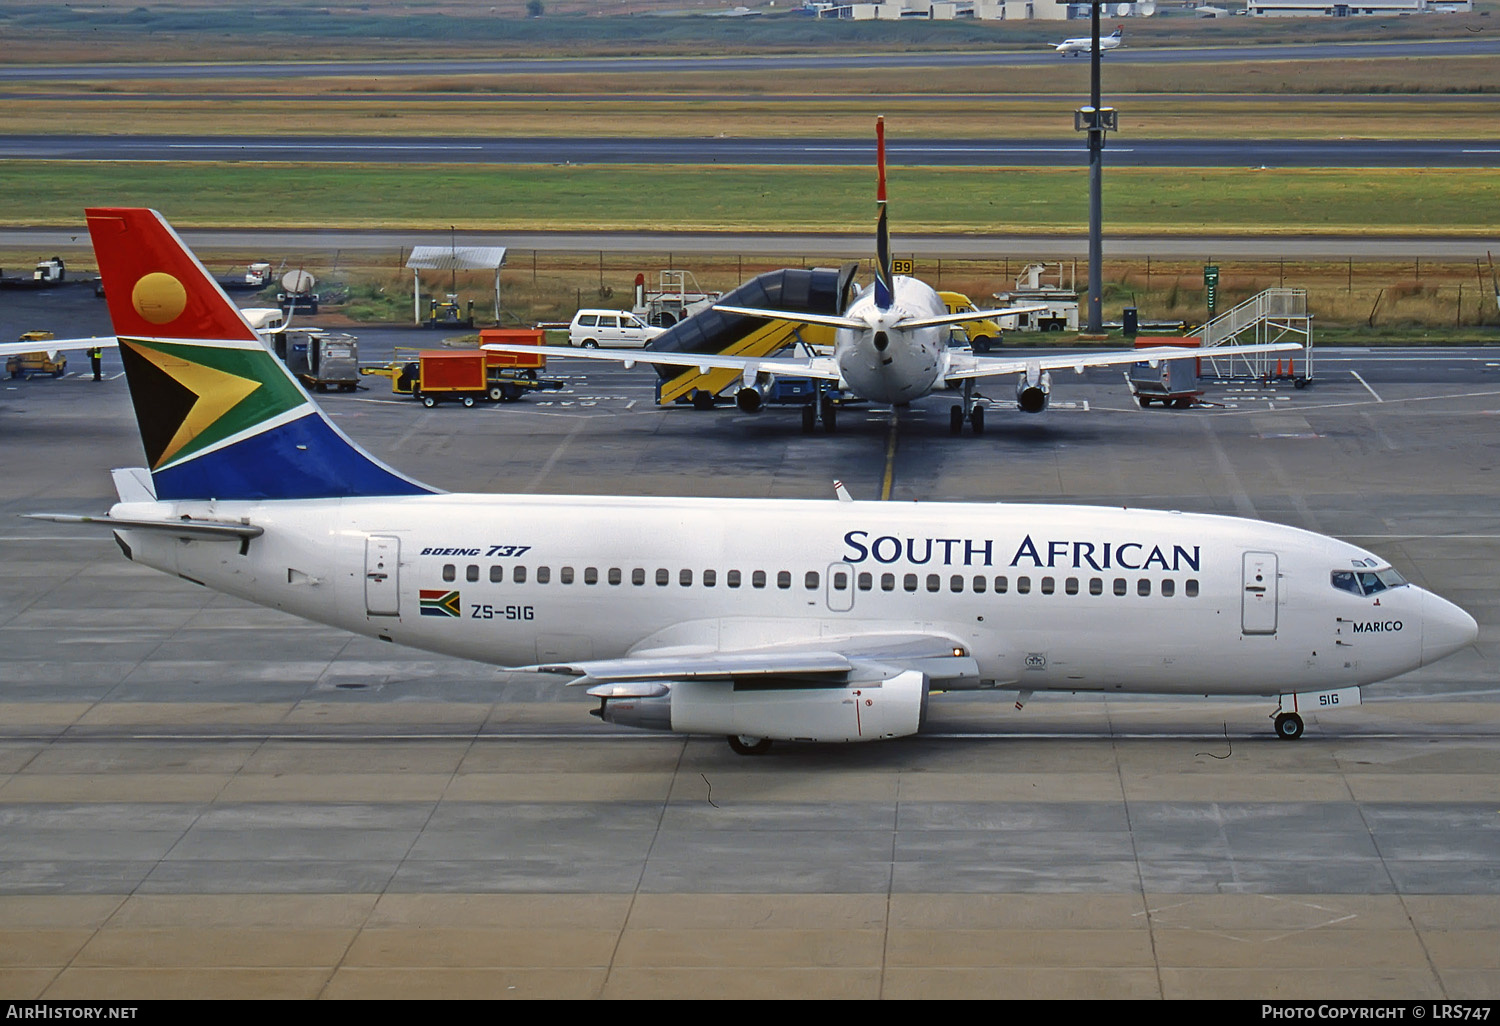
1258	594
382	585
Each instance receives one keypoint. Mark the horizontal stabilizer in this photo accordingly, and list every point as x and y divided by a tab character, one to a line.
186	527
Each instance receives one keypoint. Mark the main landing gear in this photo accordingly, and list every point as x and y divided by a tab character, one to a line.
822	408
743	745
967	410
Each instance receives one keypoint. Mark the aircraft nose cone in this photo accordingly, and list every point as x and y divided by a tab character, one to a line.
1445	628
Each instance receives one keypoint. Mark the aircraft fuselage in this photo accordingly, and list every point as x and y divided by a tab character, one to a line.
1044	597
886	363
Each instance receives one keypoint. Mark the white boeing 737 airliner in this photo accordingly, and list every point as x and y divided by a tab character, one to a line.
749	618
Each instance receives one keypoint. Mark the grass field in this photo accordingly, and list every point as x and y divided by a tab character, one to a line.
634	197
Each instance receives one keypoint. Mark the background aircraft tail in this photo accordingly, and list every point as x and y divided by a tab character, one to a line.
883	279
219	415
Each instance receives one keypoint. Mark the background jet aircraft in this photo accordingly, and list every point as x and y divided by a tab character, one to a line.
1085	44
891	346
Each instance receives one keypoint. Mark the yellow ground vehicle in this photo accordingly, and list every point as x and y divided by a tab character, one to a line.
25	365
982	333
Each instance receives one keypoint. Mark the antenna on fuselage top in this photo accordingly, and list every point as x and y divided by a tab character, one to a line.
883	279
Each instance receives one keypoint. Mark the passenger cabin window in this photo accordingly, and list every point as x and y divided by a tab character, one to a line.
1190	589
710	578
979	583
887	582
758	579
543	574
1023	585
614	575
638	576
1001	585
591	575
685	578
732	578
471	572
450	572
810	581
519	575
663	578
783	579
840	580
866	581
909	582
1168	587
497	574
565	575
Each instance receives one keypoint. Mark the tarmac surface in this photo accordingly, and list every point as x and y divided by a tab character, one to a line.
199	798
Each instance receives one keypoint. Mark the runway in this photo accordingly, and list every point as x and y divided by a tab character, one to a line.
204	799
1038	54
709	151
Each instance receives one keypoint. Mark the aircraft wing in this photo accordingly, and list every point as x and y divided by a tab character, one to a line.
787	366
831	660
964	366
56	345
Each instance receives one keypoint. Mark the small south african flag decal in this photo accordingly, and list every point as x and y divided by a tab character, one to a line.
440	603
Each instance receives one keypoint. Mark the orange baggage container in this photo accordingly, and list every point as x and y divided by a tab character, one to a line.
514	336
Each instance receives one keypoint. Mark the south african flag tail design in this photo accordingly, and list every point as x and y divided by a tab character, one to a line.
220	416
437	602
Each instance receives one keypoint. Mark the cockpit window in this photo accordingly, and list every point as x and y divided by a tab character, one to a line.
1367	582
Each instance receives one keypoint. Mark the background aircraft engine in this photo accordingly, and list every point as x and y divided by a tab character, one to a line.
1033	391
780	710
752	398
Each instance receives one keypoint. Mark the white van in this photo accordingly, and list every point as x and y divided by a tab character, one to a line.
610	329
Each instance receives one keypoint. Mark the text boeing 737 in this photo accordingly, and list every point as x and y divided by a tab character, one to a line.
890	346
1085	44
755	619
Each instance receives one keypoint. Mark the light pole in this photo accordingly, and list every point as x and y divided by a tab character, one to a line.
1095	120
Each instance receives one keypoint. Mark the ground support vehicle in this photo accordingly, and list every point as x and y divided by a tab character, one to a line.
980	335
466	376
27	365
1171	383
321	360
610	329
677	297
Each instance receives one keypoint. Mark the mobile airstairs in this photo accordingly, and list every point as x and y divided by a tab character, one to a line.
1274	315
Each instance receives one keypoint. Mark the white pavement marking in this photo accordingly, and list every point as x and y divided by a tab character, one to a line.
1362	381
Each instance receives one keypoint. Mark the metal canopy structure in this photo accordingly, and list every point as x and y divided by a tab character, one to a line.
453	259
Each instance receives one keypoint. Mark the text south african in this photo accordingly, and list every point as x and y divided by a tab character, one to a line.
1049	554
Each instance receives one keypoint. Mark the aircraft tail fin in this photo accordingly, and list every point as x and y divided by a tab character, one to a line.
884	292
220	416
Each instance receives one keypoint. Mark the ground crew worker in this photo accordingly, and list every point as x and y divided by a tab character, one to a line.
94	359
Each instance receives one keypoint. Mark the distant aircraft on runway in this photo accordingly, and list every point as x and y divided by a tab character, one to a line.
890	346
1085	44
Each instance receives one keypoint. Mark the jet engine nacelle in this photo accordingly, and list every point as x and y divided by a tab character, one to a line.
778	710
752	398
1033	391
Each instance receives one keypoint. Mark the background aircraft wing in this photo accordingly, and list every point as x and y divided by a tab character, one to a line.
56	345
964	366
832	660
787	366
